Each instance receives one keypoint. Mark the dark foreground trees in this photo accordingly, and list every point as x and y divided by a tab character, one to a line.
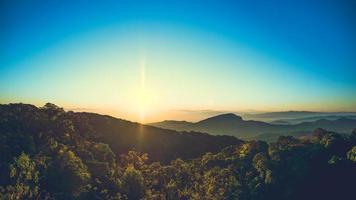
45	156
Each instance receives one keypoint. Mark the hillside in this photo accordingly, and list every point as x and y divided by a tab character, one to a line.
168	124
47	153
231	124
121	135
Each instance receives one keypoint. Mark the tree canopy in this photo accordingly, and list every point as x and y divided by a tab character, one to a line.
47	153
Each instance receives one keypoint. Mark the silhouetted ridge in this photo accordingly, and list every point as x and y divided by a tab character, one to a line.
231	124
121	135
224	117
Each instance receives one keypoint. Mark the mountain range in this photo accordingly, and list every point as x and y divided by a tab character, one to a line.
311	119
295	116
231	124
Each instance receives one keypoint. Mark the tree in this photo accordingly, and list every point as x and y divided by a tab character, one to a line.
133	183
136	159
67	174
24	179
52	110
351	155
220	184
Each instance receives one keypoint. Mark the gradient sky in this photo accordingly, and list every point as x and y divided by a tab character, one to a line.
149	60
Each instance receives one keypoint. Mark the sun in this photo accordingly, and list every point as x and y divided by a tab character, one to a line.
145	99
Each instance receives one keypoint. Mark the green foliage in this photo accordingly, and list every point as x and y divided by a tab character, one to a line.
103	152
133	183
221	184
48	153
67	174
351	155
23	179
133	158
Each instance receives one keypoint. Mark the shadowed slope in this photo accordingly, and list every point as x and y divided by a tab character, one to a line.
121	135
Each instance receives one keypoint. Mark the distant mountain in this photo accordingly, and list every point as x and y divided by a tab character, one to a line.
312	119
286	114
281	121
234	125
230	124
179	125
298	116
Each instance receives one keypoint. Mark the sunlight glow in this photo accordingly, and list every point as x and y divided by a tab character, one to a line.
143	94
151	64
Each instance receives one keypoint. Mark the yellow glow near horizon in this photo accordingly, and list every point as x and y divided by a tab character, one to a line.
143	100
173	78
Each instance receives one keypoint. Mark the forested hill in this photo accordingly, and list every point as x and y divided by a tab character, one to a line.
161	144
37	125
47	153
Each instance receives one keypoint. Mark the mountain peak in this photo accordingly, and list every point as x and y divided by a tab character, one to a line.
225	117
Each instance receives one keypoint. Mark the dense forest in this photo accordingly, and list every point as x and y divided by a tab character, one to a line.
48	153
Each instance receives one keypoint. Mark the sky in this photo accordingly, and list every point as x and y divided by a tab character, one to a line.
152	60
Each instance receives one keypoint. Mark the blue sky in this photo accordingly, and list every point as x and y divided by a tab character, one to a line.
142	59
